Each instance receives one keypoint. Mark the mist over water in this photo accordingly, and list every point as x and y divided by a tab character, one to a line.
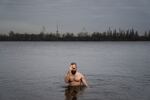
35	70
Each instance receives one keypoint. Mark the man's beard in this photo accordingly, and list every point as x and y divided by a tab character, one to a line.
73	72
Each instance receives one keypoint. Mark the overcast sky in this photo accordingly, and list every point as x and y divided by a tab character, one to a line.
73	15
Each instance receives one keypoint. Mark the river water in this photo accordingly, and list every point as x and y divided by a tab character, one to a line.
35	70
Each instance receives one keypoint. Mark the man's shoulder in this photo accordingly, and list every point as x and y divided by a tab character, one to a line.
80	74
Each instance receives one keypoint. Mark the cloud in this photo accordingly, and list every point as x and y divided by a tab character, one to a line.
73	15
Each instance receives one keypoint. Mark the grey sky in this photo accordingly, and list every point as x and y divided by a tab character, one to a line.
73	15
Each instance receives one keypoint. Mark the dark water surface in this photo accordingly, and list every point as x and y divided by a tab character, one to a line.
35	70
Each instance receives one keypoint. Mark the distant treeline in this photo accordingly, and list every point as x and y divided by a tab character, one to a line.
110	35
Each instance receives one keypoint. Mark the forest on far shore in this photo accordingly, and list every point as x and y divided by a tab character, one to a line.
110	35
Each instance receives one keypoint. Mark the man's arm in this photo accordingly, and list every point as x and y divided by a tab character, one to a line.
84	81
67	77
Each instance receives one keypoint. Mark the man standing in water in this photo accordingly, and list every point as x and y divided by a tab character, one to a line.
75	78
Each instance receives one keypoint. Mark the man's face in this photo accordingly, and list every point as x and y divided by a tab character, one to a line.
73	69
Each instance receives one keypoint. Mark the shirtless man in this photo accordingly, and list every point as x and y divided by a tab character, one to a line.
75	78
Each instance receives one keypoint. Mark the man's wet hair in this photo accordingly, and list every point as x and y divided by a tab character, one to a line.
73	63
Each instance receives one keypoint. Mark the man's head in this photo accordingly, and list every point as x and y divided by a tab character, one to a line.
73	68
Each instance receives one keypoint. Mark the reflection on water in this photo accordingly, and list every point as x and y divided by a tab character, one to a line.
72	92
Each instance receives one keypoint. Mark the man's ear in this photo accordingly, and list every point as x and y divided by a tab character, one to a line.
70	67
